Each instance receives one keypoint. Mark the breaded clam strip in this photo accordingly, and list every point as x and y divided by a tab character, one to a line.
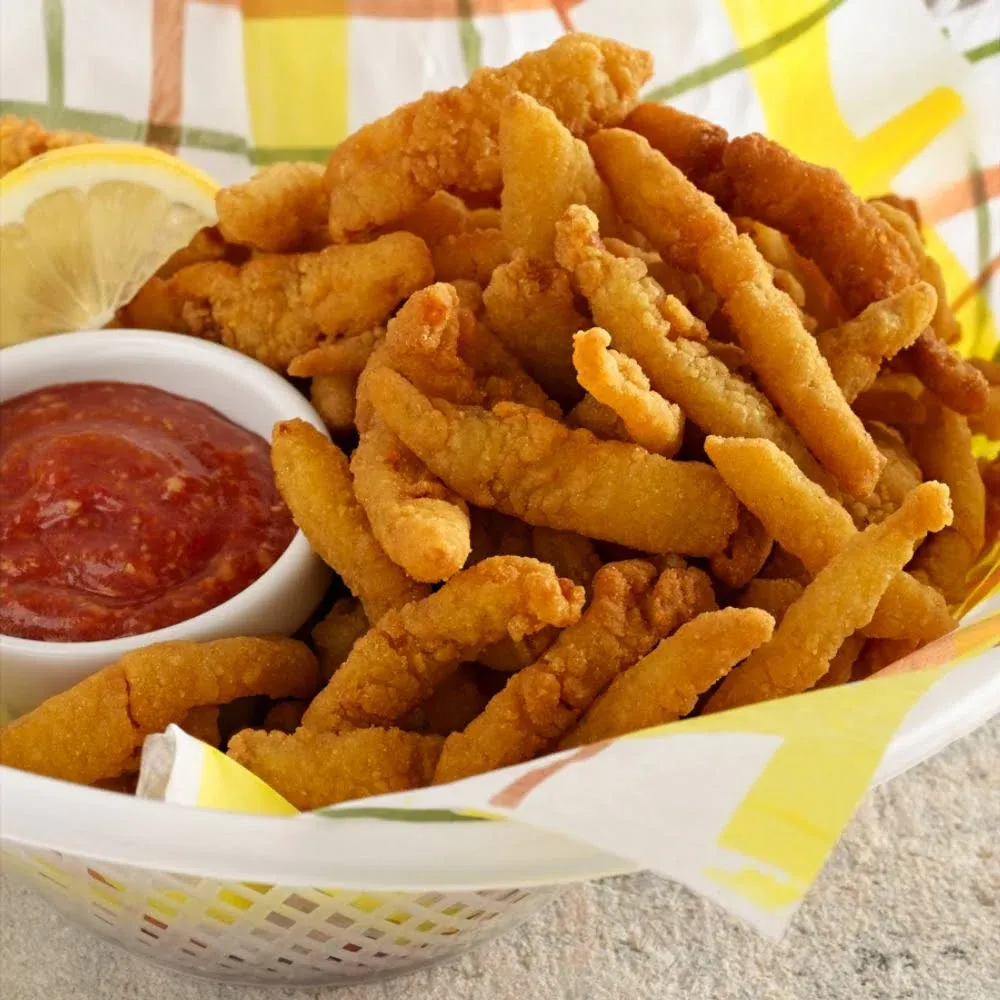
618	381
631	608
814	527
856	349
313	770
517	460
666	683
449	139
687	227
839	601
89	732
396	665
314	480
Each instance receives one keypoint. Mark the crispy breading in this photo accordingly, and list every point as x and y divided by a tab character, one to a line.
335	634
22	139
569	554
346	356
408	653
743	558
470	256
334	399
451	706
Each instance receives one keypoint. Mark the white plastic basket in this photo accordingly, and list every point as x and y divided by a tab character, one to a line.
314	900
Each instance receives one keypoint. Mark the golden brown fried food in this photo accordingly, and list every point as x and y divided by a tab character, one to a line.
691	144
452	706
689	229
334	399
990	472
284	716
775	596
895	398
618	382
545	170
842	665
276	307
839	601
313	770
346	356
599	419
335	634
745	554
531	308
856	349
666	683
441	215
815	528
681	370
569	554
283	207
202	722
449	139
90	732
421	524
314	480
630	610
206	245
22	139
519	461
470	256
408	653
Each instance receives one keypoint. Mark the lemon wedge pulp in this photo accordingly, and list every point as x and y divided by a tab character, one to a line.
83	228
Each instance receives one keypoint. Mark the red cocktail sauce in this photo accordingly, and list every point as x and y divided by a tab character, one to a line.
124	508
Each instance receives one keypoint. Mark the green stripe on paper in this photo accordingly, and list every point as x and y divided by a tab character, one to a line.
469	38
402	815
263	155
984	51
744	57
55	37
980	318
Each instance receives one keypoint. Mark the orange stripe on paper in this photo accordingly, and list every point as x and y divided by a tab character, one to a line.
166	96
978	284
966	641
412	9
518	790
961	196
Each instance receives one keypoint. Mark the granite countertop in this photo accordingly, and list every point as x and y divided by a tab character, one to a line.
907	909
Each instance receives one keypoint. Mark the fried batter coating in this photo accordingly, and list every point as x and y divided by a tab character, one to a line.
900	475
856	349
617	381
346	356
839	601
314	480
545	170
89	732
334	398
335	634
895	398
665	684
408	653
449	139
815	528
630	610
470	256
202	722
694	146
276	307
599	419
521	462
681	370
421	525
22	139
569	554
285	716
312	770
206	245
443	214
842	665
531	308
775	596
743	558
689	229
452	705
282	207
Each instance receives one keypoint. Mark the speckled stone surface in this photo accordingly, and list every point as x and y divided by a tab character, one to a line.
907	909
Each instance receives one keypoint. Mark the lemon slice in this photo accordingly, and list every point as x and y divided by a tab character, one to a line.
82	228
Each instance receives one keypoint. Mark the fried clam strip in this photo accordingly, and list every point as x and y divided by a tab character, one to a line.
530	306
988	422
334	397
335	634
681	370
900	475
571	555
281	208
895	398
618	382
408	653
22	139
449	139
942	448
313	478
814	527
856	349
89	732
839	601
743	558
421	525
598	419
276	307
517	460
346	356
630	610
472	255
863	255
452	705
666	683
775	596
545	170
689	229
312	770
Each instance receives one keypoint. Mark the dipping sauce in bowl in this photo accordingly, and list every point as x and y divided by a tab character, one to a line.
125	508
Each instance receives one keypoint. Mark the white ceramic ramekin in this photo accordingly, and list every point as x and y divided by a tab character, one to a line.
237	387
